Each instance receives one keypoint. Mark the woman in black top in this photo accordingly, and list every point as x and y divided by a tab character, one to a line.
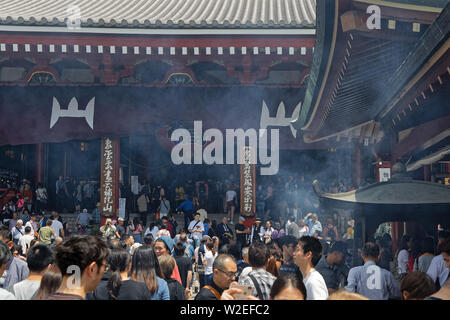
119	285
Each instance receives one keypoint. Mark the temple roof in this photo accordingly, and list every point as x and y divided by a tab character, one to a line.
397	191
232	14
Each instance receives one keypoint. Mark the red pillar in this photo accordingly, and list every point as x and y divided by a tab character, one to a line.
39	163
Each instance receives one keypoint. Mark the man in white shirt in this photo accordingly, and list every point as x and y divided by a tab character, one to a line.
25	240
18	231
32	224
196	229
306	256
39	259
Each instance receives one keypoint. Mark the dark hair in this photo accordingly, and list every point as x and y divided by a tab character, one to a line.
271	265
403	245
113	243
118	261
258	254
287	240
418	284
80	250
39	257
167	264
5	253
385	241
371	250
285	281
311	244
235	252
145	267
428	245
445	246
210	245
50	283
148	239
224	248
27	229
179	249
18	248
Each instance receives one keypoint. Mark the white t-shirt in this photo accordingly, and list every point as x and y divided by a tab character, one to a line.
209	257
231	194
26	289
316	289
25	241
56	226
6	295
198	227
403	261
245	272
32	226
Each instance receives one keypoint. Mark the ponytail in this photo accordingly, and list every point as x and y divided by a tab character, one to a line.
113	285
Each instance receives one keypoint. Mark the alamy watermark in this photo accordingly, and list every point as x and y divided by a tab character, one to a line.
73	18
212	153
374	20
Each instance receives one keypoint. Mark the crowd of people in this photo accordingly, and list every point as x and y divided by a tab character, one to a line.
296	260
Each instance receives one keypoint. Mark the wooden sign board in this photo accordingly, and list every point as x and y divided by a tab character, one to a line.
248	185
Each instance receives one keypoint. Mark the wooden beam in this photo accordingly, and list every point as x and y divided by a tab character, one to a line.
419	137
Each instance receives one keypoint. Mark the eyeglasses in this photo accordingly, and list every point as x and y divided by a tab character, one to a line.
230	274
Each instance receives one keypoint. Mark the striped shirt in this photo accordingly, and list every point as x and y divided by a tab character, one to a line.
264	279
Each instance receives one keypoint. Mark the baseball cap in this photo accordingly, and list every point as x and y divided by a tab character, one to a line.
338	246
121	219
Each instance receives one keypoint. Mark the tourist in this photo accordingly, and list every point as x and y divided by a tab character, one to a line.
187	207
403	256
332	266
18	231
242	233
184	264
288	244
25	240
422	263
196	229
49	284
303	228
5	256
330	231
417	285
87	253
259	279
109	231
145	268
176	290
230	198
306	256
208	260
224	232
39	259
288	287
370	280
292	228
438	271
119	285
224	270
314	225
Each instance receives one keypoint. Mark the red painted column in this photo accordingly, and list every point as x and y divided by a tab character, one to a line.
39	163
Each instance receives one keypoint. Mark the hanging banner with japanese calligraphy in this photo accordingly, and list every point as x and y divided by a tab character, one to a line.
109	178
248	184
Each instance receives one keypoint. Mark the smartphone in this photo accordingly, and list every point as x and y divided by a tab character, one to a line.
246	291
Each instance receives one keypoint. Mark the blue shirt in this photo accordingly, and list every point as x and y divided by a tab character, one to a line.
163	290
373	282
206	226
186	206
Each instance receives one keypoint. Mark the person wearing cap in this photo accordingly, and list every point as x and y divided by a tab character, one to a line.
165	245
332	266
256	231
83	219
196	229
